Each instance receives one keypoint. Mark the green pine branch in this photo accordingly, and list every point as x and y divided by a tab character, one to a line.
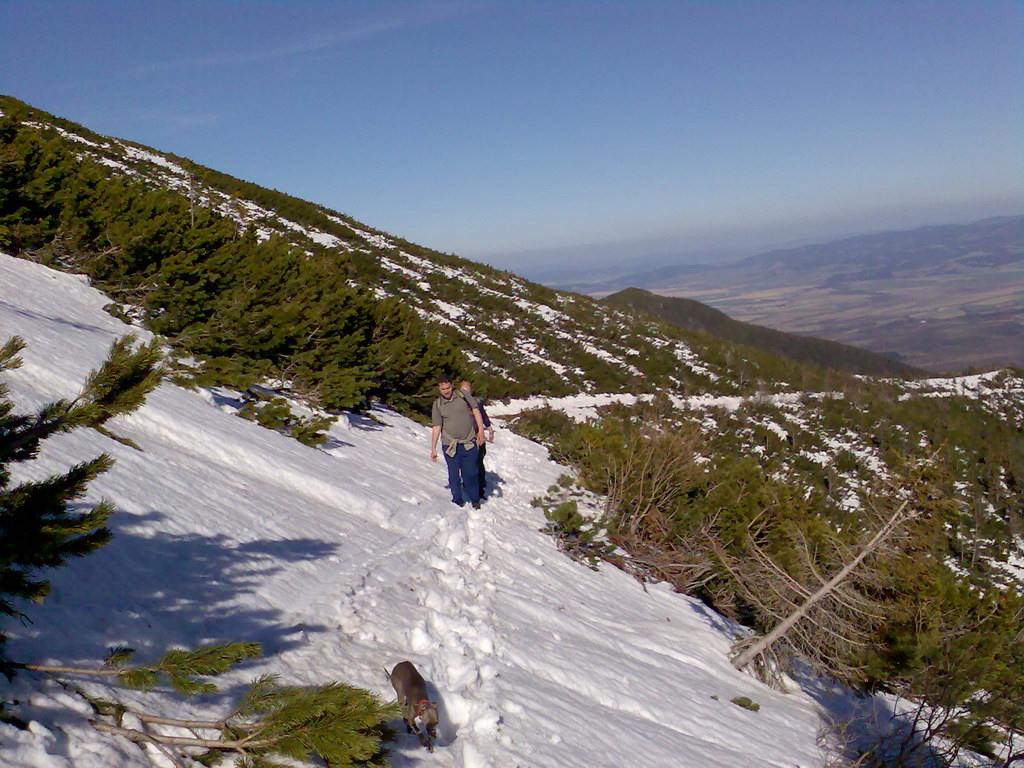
273	725
180	668
117	387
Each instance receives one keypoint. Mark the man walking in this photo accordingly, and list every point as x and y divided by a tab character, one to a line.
467	388
457	422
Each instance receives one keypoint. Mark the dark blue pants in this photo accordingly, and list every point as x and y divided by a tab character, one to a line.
464	474
481	452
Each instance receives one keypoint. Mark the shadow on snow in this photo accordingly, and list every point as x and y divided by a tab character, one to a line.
154	591
854	724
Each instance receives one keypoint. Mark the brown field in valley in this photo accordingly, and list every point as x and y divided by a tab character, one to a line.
946	324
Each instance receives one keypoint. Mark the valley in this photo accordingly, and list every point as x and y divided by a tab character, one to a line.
946	299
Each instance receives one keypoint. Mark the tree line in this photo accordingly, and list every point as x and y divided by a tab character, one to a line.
248	310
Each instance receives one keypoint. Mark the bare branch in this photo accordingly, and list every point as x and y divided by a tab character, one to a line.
181	741
73	670
210	724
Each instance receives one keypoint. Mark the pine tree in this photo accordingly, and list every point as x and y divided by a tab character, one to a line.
37	528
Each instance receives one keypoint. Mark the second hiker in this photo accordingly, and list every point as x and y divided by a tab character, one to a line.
467	388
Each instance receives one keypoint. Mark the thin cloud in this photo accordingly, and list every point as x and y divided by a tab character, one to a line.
314	43
181	121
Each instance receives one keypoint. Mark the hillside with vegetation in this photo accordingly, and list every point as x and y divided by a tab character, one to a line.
754	504
695	316
747	472
254	284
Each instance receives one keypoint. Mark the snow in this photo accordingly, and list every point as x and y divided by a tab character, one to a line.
531	350
962	385
584	406
578	407
395	267
428	315
136	153
67	134
120	167
609	357
689	358
451	310
424	266
999	392
317	236
377	241
546	313
345	560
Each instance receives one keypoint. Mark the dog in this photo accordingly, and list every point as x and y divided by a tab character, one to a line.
418	712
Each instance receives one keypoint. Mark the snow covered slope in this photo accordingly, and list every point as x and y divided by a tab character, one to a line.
344	560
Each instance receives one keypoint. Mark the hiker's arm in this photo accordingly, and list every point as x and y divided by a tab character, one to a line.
487	423
435	432
479	426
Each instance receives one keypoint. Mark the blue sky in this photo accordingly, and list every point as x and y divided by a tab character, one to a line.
529	133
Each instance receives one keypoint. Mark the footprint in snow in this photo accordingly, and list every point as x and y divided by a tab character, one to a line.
455	541
472	758
420	639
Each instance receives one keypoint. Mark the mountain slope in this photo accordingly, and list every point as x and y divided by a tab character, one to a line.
341	565
695	316
141	224
515	337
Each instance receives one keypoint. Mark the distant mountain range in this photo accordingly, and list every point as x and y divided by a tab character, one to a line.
944	298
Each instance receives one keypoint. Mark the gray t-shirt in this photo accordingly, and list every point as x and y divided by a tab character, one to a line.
455	417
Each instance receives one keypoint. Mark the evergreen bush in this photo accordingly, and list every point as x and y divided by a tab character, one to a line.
270	308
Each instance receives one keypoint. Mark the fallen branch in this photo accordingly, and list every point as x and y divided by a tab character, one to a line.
140	737
71	670
748	655
168	753
147	718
